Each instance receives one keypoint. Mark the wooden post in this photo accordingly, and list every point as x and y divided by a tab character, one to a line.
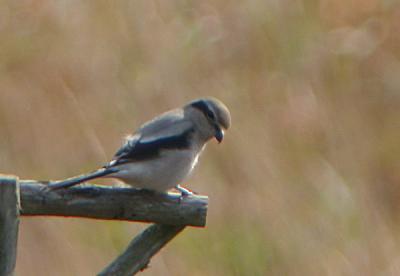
9	221
169	212
102	202
139	252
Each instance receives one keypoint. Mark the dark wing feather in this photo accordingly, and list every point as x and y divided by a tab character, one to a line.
151	139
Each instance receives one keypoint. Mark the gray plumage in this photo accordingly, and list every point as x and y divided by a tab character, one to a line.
163	151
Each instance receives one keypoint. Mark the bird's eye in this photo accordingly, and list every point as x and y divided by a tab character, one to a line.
210	115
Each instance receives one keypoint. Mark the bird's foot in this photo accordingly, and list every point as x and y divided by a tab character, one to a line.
184	192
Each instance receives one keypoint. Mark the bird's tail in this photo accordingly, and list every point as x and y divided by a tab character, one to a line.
62	184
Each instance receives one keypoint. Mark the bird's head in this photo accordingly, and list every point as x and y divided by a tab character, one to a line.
214	113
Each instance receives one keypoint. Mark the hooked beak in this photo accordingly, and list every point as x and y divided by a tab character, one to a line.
219	134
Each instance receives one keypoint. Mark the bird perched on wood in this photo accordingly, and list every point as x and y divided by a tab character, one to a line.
163	151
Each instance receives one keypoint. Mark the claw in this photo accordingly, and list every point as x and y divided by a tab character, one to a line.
184	192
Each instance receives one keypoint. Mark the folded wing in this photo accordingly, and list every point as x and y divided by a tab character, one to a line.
166	133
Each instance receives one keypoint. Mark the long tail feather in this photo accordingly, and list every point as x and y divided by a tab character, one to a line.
62	184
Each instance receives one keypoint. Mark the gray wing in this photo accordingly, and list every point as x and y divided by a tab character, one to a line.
168	131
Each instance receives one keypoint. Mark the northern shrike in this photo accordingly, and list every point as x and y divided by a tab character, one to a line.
163	151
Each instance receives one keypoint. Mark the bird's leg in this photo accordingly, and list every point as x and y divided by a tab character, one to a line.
184	192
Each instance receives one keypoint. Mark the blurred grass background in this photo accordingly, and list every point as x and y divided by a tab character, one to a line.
307	181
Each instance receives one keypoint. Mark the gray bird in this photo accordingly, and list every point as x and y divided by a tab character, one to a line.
163	151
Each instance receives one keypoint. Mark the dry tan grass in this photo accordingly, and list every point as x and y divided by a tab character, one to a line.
308	179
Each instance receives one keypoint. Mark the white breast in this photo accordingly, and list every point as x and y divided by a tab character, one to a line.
161	173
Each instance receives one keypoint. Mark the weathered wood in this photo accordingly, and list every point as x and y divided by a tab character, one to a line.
9	221
139	252
102	202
